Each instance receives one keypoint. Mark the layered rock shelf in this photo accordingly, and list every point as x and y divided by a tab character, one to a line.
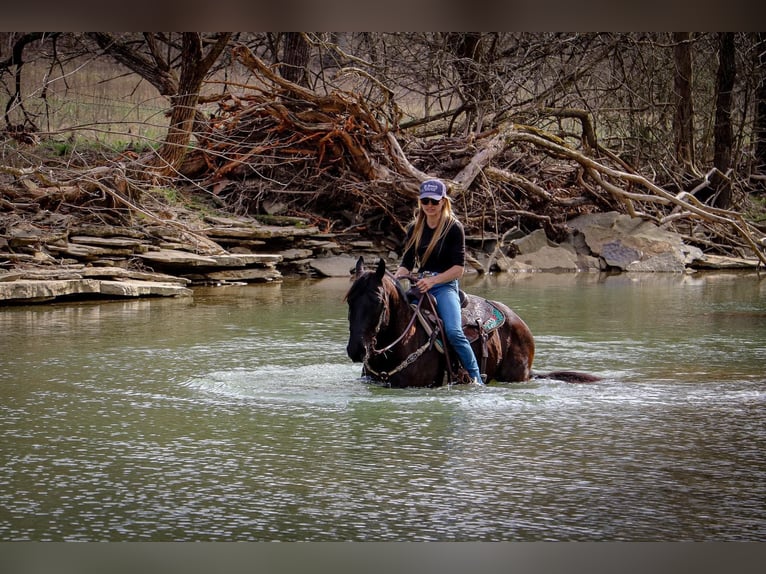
40	264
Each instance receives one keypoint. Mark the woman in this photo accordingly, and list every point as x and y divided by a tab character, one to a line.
436	242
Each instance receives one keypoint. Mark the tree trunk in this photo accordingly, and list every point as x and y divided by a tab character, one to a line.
471	57
295	58
724	136
183	105
194	68
683	128
759	123
182	92
17	60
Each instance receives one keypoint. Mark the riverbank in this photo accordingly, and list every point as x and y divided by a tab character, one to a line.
45	262
53	258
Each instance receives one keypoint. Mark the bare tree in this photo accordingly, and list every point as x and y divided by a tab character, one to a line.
724	136
182	89
16	62
683	121
759	119
295	58
473	54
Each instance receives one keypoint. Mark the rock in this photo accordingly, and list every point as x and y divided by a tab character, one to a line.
709	261
633	244
362	244
319	245
251	245
34	291
503	263
532	242
251	274
107	231
82	251
245	259
668	262
339	266
121	273
31	291
553	259
295	254
618	255
260	232
176	257
603	241
142	289
114	242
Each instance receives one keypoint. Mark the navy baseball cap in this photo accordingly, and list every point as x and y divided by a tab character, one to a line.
433	189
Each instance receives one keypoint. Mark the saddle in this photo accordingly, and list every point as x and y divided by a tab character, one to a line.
479	316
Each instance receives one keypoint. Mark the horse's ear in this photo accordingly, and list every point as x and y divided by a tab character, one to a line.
381	270
359	269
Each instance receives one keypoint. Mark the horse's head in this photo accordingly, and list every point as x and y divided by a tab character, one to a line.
367	306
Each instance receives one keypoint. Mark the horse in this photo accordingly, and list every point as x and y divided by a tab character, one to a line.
399	342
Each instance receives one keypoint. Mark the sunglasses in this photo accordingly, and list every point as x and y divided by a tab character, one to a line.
429	201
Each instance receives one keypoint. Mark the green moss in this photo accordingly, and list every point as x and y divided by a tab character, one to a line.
756	209
283	220
168	194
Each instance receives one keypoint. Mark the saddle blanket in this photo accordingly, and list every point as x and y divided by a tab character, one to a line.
480	311
475	311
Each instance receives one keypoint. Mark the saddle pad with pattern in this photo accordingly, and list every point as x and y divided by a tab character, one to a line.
483	311
474	309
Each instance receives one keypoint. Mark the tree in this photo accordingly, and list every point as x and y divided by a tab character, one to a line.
17	60
473	55
295	58
683	121
724	137
759	120
183	91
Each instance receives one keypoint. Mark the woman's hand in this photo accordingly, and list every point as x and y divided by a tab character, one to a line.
401	272
426	283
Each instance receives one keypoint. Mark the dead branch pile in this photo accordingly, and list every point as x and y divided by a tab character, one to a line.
280	146
341	161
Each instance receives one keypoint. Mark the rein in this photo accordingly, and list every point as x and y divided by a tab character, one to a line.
387	311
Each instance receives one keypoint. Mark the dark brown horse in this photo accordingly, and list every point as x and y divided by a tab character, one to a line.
396	346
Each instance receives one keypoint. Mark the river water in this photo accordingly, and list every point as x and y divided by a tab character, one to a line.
236	415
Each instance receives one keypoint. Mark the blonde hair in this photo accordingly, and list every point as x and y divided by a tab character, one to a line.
446	219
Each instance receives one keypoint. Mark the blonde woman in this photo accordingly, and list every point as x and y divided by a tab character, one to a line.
435	241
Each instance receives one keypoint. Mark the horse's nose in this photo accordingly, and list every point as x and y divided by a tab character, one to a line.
355	352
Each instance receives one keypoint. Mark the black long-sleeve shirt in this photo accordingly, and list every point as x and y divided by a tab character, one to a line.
450	251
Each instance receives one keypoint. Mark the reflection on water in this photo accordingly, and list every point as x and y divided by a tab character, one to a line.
237	416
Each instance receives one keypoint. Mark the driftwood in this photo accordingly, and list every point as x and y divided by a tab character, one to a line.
337	154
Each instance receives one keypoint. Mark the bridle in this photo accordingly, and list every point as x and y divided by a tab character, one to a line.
371	351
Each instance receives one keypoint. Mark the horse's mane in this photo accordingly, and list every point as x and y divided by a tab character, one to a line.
357	285
398	286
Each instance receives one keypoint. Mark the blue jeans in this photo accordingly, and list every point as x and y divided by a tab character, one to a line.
448	307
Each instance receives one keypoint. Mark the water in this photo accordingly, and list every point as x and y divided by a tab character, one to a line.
237	416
